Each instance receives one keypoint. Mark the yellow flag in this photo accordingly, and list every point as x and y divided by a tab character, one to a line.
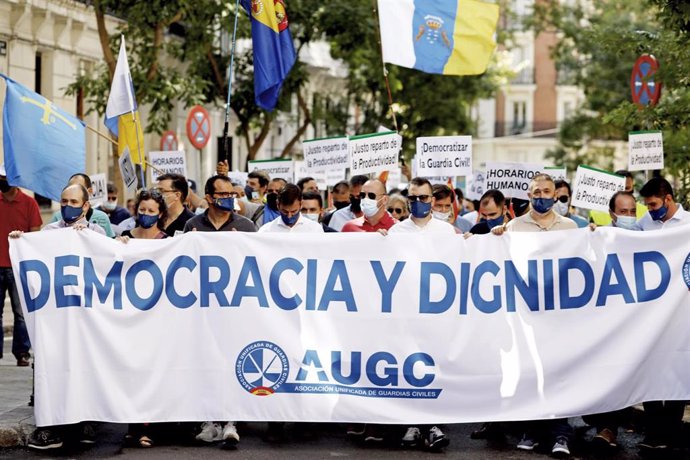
129	129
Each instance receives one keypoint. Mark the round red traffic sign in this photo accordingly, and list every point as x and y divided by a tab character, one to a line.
198	127
643	85
169	141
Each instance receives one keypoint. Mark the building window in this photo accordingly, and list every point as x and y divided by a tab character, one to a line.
568	109
519	117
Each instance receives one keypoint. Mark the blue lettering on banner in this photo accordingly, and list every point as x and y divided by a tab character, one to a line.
262	369
686	271
290	284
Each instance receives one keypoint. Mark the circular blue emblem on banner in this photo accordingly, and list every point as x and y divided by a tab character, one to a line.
686	271
261	368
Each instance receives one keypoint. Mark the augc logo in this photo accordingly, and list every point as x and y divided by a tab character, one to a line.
261	368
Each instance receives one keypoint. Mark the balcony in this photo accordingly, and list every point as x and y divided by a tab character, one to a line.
524	77
510	128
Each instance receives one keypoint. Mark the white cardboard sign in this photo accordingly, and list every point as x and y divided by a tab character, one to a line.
513	179
373	153
99	183
301	171
326	154
129	176
594	188
475	185
444	156
283	169
645	150
168	162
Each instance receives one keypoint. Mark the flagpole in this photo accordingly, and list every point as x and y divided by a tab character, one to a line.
383	65
226	140
114	142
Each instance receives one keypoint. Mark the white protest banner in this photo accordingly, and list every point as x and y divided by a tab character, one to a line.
238	177
302	172
556	173
418	171
512	179
475	185
645	150
255	327
372	153
127	171
326	154
99	184
168	162
283	169
593	188
443	156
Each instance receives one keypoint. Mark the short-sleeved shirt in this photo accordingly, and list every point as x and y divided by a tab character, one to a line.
95	216
19	214
303	225
431	226
340	218
360	224
159	236
681	217
235	222
61	224
581	222
178	224
526	223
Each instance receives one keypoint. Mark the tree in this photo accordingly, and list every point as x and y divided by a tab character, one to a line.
599	43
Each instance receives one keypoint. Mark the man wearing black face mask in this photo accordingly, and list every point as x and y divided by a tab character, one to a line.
341	199
220	215
492	212
268	212
354	210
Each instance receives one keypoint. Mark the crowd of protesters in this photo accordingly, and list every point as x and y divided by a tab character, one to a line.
362	204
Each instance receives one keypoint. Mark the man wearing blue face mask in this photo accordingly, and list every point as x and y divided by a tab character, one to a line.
492	212
220	215
74	205
663	418
420	202
291	219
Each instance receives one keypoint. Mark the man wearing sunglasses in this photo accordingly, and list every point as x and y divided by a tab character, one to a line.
373	203
420	201
562	205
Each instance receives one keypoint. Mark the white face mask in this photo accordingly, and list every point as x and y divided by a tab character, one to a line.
369	207
626	222
561	208
109	205
442	216
314	217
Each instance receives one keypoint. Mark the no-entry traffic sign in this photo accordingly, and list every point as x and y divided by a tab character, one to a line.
169	141
198	127
645	89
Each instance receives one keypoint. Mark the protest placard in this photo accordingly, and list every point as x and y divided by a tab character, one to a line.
99	184
475	185
556	173
443	156
334	176
284	169
168	162
129	176
372	153
238	177
645	150
302	172
326	154
593	188
512	179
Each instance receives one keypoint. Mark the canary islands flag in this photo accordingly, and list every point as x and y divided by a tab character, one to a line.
274	53
121	114
43	144
452	37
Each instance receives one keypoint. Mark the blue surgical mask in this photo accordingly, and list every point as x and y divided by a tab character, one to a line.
542	205
495	222
71	213
626	222
420	210
225	204
289	221
146	220
658	214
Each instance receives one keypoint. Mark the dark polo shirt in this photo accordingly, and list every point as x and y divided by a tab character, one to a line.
235	222
178	224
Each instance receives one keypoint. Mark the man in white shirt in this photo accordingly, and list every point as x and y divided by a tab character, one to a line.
421	201
662	211
291	220
664	419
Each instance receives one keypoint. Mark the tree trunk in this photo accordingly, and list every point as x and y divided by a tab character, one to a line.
302	129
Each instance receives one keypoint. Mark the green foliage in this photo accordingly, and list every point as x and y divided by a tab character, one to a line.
600	43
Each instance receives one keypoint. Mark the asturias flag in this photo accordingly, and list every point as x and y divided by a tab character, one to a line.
274	53
452	37
43	144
